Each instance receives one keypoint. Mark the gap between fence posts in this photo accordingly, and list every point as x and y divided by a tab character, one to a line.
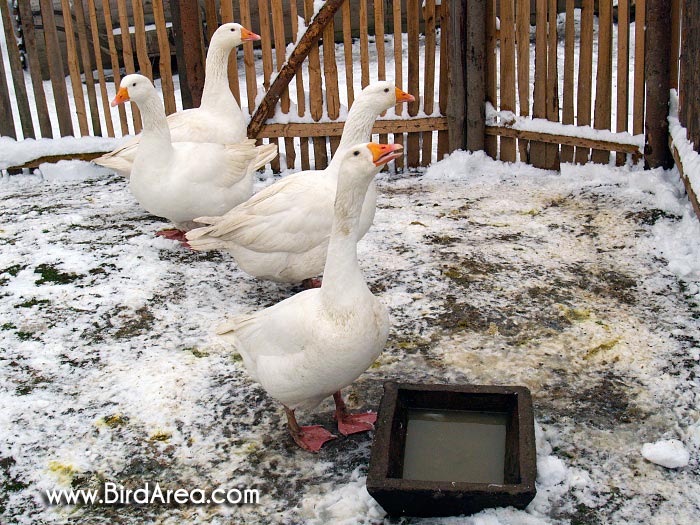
189	50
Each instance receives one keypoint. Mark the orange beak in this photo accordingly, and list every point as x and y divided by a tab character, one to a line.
383	153
122	96
402	96
248	36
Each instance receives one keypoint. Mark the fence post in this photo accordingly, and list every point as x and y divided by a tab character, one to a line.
457	101
475	14
658	72
189	49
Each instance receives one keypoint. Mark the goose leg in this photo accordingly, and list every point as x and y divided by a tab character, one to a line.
173	234
352	423
311	283
309	438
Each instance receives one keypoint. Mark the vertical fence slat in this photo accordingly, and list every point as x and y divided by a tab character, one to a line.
639	52
301	94
585	75
507	66
25	114
347	50
364	45
74	70
280	53
95	33
34	66
87	67
316	94
7	123
491	142
251	81
398	70
164	66
381	52
623	64
567	116
603	96
211	18
675	41
457	122
266	44
114	59
58	79
538	150
522	22
429	85
233	82
444	136
552	150
128	56
413	139
330	72
141	45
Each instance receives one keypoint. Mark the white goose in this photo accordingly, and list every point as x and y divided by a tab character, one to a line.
282	232
317	342
218	119
182	180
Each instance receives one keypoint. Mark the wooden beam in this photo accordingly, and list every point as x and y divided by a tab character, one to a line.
335	129
550	138
658	66
692	196
457	102
50	159
189	49
301	51
475	40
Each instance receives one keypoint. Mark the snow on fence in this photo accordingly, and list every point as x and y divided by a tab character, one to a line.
594	99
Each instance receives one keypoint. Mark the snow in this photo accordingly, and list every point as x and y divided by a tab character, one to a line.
669	453
14	153
690	159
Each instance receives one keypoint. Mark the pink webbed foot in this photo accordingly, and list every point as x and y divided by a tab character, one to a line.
308	284
172	234
312	438
354	423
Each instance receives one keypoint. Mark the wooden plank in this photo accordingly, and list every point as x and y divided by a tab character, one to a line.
280	52
34	66
141	45
233	82
86	62
212	19
58	79
301	94
623	77
443	147
567	116
189	50
412	23
128	57
266	45
51	159
364	45
522	22
21	99
457	103
675	41
639	51
330	73
347	50
381	51
585	75
690	191
315	92
507	64
657	65
538	151
7	124
335	129
74	70
550	138
552	150
164	67
603	86
398	71
476	16
490	142
429	85
251	80
114	59
97	51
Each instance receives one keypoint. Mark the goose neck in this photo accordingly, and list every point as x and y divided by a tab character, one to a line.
216	91
357	129
156	132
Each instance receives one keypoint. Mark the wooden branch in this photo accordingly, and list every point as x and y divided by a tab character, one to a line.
301	51
565	140
692	196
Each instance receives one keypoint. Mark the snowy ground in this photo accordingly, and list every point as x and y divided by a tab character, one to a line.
582	286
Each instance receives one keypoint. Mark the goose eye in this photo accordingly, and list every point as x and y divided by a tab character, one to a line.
233	30
134	84
356	153
386	90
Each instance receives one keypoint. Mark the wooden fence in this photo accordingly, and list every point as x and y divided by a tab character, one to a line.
420	45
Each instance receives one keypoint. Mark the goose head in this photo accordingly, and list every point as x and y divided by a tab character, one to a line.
136	88
230	35
382	95
365	160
